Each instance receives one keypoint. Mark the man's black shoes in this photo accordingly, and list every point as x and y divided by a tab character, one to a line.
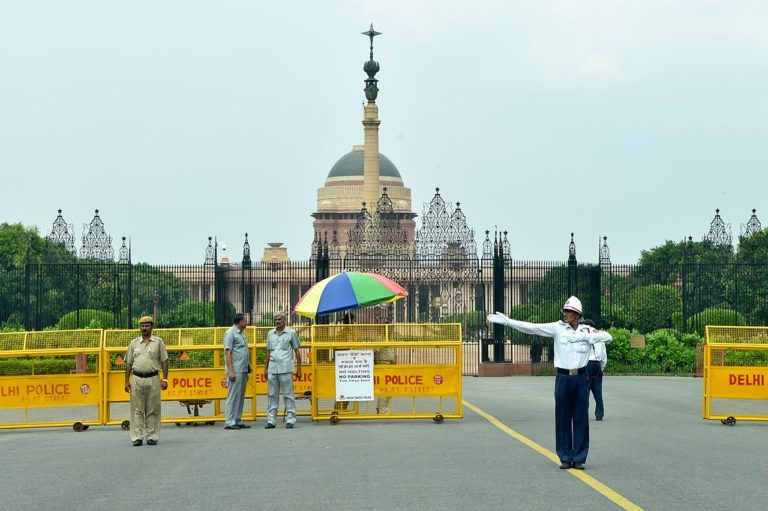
577	465
289	426
243	426
235	428
565	465
138	442
269	426
151	442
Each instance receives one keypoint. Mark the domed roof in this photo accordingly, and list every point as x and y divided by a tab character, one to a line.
351	164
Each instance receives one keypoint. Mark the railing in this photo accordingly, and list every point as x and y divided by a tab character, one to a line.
115	295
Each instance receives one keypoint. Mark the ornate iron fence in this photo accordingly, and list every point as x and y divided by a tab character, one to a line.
445	289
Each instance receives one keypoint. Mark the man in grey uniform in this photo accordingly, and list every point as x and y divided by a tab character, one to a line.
238	364
282	344
144	359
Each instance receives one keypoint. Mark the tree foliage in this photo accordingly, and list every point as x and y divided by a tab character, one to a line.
718	316
665	351
661	265
749	289
652	307
43	277
20	245
561	282
191	315
87	318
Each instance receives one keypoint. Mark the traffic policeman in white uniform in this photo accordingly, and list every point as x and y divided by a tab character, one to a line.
572	348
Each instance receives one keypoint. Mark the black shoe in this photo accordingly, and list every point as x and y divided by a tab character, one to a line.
269	426
289	426
151	442
138	442
598	418
565	465
235	427
243	426
578	466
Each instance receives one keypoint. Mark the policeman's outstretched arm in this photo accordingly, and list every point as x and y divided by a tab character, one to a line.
499	318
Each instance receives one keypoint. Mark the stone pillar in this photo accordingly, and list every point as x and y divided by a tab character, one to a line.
371	123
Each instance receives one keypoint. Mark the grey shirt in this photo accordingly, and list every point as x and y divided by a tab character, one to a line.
280	347
235	341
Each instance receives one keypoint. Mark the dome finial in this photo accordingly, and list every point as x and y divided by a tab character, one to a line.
371	33
371	67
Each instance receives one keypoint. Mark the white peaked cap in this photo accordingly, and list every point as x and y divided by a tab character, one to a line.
573	304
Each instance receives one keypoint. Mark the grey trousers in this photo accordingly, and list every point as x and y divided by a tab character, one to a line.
276	382
233	411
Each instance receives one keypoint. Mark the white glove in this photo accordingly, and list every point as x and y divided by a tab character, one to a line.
500	318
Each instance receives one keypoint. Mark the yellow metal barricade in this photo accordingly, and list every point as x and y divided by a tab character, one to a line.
50	378
736	373
197	382
416	371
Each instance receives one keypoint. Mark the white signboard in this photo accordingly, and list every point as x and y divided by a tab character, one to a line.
354	375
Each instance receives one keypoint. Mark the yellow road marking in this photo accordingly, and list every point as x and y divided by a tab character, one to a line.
587	479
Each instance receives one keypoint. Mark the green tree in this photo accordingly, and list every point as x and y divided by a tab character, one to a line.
21	246
652	307
192	314
747	291
718	316
86	318
665	349
620	352
700	269
662	265
150	282
561	282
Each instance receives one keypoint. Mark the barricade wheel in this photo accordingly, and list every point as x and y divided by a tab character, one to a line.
731	421
209	423
178	424
723	421
438	418
86	426
125	424
77	426
334	419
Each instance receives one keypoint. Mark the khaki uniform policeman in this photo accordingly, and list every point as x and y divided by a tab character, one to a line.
145	358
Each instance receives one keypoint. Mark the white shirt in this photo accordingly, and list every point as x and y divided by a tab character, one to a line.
599	353
572	347
280	346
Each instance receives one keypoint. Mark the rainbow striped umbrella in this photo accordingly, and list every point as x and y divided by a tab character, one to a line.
348	290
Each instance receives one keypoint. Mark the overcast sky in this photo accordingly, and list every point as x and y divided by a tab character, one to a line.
183	119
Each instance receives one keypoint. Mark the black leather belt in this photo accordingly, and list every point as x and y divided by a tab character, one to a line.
572	372
146	375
